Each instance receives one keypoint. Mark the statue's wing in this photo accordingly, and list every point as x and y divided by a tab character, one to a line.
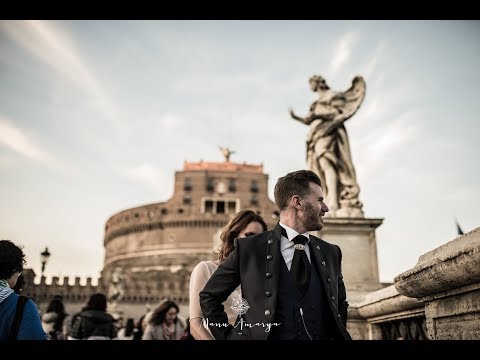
349	101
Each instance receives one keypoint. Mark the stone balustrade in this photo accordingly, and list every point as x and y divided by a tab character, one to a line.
447	281
438	299
388	315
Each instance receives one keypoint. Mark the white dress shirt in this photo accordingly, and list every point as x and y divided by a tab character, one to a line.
286	245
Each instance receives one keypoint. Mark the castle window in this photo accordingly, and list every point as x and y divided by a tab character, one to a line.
180	211
187	185
187	199
220	207
137	215
209	206
232	187
151	214
164	211
254	200
210	185
254	186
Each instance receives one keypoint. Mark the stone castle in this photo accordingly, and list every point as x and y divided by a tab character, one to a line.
151	250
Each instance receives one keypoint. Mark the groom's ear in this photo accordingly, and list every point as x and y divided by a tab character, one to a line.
296	202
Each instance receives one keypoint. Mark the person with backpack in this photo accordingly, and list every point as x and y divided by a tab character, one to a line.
19	317
94	322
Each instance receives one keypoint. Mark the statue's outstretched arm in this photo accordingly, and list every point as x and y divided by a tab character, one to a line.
307	120
326	117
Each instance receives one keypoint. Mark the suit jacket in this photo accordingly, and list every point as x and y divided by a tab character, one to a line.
255	264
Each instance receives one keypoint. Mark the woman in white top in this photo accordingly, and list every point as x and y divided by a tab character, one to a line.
243	224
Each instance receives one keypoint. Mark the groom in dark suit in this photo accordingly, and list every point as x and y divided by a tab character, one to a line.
291	281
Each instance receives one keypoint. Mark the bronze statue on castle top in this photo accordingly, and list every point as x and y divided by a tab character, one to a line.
226	152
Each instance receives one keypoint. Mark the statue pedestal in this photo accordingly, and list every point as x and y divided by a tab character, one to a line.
356	238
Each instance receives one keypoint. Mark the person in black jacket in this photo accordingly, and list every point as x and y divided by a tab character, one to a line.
94	323
292	283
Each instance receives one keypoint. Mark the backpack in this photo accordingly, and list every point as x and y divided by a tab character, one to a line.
22	299
72	321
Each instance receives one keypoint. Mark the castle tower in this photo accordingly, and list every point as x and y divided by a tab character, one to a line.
153	248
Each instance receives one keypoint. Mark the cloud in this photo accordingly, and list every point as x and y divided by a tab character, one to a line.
52	46
213	84
462	194
383	102
148	174
373	61
342	51
394	134
14	139
378	146
170	122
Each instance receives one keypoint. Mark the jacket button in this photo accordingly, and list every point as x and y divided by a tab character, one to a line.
338	315
323	263
329	280
267	312
333	298
270	241
268	294
317	247
269	257
268	275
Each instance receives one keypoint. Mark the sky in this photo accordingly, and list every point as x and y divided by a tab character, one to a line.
96	116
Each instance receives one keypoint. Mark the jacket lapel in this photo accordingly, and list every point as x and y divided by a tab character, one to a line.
317	254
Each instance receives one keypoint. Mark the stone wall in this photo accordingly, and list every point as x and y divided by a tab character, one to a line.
447	281
438	299
387	315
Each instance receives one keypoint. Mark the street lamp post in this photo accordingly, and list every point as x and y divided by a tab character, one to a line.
44	258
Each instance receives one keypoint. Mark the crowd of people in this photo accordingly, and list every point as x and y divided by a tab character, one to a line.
259	277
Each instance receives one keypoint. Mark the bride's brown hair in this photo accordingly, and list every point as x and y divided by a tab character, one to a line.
234	227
